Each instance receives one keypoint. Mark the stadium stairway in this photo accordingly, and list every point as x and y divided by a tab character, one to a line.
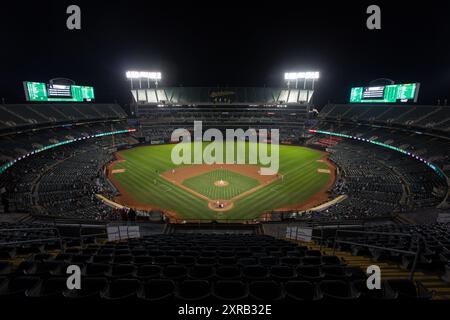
389	270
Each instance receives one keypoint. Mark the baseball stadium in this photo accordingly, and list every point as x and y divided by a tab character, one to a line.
128	186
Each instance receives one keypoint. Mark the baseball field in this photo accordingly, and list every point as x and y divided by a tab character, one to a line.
147	179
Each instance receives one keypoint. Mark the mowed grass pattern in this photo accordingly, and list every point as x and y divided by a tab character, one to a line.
204	184
143	164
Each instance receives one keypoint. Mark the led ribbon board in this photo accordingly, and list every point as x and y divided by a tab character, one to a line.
41	92
51	146
384	145
385	94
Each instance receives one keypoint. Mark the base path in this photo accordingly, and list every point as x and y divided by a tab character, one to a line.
180	174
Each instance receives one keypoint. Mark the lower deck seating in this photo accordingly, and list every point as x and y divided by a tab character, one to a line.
193	267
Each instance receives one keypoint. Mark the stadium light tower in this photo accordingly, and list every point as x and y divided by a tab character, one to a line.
154	76
295	76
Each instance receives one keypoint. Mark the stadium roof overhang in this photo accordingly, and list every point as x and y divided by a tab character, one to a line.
257	96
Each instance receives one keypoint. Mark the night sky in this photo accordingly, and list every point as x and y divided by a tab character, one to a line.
225	43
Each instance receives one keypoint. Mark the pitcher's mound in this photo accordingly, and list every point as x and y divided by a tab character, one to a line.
221	183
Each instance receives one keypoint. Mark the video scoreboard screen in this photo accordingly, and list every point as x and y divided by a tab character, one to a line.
38	91
385	94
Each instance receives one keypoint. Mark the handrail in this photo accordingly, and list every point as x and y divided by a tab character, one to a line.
415	253
87	236
58	236
28	241
27	229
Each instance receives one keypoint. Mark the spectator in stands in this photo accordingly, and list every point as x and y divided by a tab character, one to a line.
132	215
5	203
124	215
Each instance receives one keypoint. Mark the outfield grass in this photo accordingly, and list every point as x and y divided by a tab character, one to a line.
204	184
298	165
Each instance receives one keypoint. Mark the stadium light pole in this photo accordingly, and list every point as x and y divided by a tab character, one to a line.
305	76
154	76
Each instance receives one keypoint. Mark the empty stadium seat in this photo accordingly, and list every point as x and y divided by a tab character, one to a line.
16	287
266	290
247	261
229	261
230	290
290	261
97	269
335	273
283	273
385	293
46	268
357	273
121	289
312	261
174	272
255	272
269	261
90	289
7	253
65	257
185	260
193	290
5	268
312	273
301	290
201	272
164	260
148	272
407	289
228	272
122	271
206	261
338	289
331	261
157	290
139	252
41	257
102	258
50	289
142	260
313	253
81	258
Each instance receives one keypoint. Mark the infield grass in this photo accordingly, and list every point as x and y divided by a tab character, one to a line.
204	184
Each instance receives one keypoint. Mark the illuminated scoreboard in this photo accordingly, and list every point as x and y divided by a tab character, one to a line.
38	91
35	91
82	93
385	94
